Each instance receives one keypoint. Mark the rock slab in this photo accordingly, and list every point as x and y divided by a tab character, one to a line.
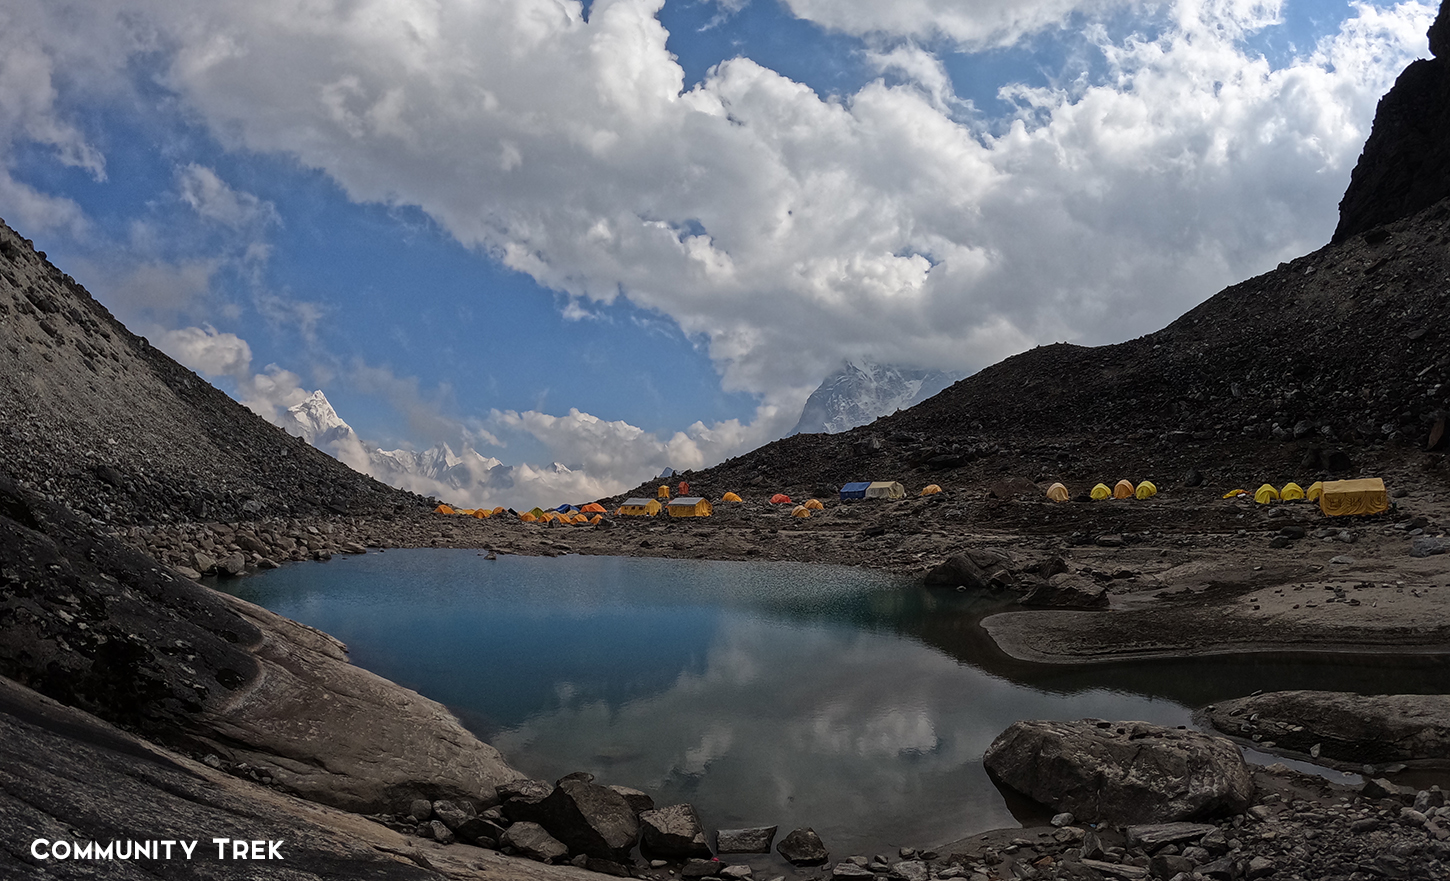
673	832
753	840
1121	772
803	847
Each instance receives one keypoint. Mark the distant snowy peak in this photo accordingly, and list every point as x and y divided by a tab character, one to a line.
863	391
316	422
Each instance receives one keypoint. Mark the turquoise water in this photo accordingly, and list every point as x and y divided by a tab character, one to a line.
762	693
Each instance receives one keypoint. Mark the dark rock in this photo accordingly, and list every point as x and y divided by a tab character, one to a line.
1292	532
638	801
1348	727
803	848
1193	478
232	564
1123	772
701	868
441	833
1110	540
1155	835
480	831
421	809
534	842
452	815
754	840
1428	546
957	571
606	867
520	799
1067	591
1379	787
674	832
849	870
910	870
1338	462
589	818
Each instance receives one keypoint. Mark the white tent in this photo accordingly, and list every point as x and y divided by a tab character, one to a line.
885	489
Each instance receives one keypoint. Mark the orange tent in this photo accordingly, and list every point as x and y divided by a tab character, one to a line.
444	509
500	510
596	518
526	517
780	499
1057	492
815	505
730	497
801	511
483	513
1124	489
593	508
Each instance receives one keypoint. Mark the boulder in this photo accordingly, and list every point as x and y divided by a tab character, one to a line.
638	801
957	571
480	831
849	871
451	814
520	799
1347	727
589	818
203	562
673	832
910	870
1121	772
441	833
1428	546
753	840
1067	591
421	810
803	847
534	842
701	868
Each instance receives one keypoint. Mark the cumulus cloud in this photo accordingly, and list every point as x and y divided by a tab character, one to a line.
786	228
207	351
214	199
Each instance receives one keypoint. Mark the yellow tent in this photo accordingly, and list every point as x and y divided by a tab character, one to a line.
801	511
815	505
1146	490
1057	492
1101	492
664	492
1266	494
581	517
639	508
690	506
1292	492
930	490
885	489
1315	490
1123	490
730	497
1235	493
1364	496
444	509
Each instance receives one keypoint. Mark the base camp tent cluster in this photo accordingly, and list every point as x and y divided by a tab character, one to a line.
1336	498
1124	489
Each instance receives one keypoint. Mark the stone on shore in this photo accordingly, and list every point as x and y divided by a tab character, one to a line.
803	847
1067	591
1121	772
701	868
638	801
753	840
673	831
534	842
590	819
849	871
1347	727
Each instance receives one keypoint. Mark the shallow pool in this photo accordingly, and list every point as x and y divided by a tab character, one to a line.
763	693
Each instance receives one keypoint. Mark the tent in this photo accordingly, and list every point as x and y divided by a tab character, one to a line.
1057	492
482	514
780	499
639	508
854	490
1235	493
566	509
815	505
593	508
1101	492
1364	496
684	488
1315	490
730	497
1266	494
800	511
596	518
1292	492
885	489
1146	490
526	517
537	512
500	510
931	489
444	509
581	517
690	506
664	492
1124	489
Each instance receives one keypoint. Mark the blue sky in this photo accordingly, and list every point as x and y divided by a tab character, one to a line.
631	234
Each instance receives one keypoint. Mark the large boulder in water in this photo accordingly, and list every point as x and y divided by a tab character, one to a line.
674	832
1121	772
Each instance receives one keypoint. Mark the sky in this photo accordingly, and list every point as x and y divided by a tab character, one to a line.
630	234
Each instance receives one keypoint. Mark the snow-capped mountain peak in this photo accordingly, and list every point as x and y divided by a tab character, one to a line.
862	391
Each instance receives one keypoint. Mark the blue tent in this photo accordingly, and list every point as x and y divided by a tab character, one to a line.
855	490
567	509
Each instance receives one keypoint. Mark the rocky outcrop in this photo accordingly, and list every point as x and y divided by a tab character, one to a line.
1121	772
589	819
94	624
1343	727
1405	166
1067	591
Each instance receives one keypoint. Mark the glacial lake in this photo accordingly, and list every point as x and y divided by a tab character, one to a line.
763	693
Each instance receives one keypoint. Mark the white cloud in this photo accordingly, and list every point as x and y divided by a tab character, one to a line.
788	229
207	351
214	199
978	24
